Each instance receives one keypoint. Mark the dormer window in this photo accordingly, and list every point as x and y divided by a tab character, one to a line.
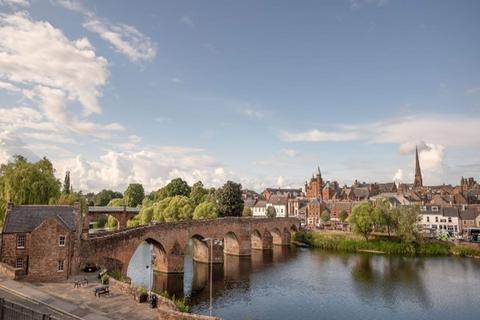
435	209
423	208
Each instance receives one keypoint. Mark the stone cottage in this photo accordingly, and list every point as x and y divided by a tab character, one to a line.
41	242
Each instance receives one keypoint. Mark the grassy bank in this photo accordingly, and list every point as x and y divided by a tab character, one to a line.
391	246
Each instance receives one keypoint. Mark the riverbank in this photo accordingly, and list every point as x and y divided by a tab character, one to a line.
348	242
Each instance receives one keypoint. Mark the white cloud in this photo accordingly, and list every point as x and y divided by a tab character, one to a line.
316	135
164	120
187	20
250	111
36	53
125	38
445	129
11	144
280	181
398	175
152	166
23	3
357	4
176	80
473	90
290	152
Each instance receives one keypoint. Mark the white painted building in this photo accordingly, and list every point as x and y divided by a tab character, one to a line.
259	209
280	203
436	219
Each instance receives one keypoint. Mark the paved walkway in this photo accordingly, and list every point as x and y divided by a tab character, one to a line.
80	303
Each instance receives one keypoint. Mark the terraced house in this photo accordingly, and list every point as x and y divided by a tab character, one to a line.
41	243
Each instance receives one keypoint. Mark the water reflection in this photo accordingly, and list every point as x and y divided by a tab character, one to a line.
291	283
389	279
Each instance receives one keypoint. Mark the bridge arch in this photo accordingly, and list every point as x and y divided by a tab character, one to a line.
261	241
231	243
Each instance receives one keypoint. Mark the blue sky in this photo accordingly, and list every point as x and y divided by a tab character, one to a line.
259	92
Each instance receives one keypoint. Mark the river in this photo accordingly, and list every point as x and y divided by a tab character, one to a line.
298	283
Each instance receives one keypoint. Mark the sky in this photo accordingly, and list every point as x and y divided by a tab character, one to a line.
258	92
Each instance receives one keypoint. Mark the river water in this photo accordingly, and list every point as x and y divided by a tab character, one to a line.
297	283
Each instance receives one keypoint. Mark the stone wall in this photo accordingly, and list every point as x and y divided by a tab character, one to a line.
45	252
166	307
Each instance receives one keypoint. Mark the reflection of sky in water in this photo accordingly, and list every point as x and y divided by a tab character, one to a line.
137	269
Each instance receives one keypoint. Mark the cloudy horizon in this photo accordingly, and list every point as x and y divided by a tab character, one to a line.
256	92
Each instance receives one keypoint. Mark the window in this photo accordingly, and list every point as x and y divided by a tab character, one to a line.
428	219
61	266
19	263
435	208
436	219
21	241
61	241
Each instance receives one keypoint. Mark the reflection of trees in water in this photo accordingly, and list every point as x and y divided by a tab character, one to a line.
234	274
390	278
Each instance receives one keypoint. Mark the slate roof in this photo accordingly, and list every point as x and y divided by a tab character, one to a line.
25	218
278	200
261	204
468	214
450	212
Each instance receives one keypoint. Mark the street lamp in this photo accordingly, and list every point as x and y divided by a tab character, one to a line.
217	242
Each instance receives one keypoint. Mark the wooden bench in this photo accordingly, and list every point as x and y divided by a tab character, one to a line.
103	290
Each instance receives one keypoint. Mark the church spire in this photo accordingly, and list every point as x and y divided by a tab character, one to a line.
418	173
319	173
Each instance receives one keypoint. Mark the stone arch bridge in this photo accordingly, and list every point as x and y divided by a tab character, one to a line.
233	236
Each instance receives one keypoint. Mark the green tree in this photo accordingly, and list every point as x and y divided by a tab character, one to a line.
111	222
247	212
343	215
176	187
361	220
229	200
103	197
179	208
146	215
325	217
271	212
407	229
22	182
134	194
198	193
3	211
117	202
66	183
205	210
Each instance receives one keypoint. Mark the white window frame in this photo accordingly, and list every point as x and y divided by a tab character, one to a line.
19	263
61	266
60	238
21	238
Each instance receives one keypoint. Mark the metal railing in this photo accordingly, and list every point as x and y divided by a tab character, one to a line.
13	311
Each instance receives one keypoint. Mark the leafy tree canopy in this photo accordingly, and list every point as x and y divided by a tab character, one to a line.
229	199
176	187
103	197
325	217
134	194
117	202
361	220
205	210
198	194
247	212
22	182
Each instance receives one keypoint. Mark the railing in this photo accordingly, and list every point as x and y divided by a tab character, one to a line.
12	311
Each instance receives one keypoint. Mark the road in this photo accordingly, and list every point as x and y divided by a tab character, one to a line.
33	305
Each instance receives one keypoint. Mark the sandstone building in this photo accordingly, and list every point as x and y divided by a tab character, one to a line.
42	243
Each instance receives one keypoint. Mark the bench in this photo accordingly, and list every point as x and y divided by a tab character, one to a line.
103	290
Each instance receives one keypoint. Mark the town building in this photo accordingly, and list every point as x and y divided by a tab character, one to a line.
42	243
279	202
259	209
288	192
434	219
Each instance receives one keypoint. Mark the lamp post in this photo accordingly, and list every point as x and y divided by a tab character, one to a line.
217	242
